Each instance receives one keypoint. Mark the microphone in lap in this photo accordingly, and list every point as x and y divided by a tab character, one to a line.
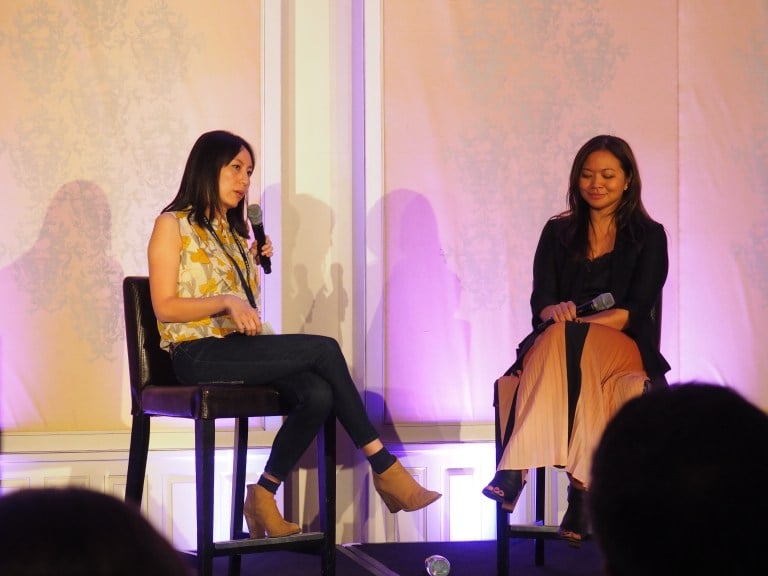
597	304
255	218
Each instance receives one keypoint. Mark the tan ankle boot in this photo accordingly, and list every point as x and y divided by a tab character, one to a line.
262	515
400	491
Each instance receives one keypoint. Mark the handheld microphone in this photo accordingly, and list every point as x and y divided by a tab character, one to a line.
598	304
254	216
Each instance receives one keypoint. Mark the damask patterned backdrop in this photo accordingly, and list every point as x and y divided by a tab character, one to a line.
101	102
485	103
502	96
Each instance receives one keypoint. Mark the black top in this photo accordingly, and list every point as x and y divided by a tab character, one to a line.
634	273
597	277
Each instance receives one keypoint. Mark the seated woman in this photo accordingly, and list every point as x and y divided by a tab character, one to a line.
204	285
574	373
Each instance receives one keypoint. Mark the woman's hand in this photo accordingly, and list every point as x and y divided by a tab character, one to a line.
245	317
267	250
617	318
561	312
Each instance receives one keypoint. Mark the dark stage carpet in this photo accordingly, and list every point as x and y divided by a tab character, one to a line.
407	559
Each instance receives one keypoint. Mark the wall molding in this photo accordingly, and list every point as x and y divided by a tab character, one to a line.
119	440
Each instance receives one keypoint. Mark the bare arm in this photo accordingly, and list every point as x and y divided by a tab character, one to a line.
164	258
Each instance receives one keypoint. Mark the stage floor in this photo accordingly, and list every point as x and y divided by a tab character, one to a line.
477	558
474	558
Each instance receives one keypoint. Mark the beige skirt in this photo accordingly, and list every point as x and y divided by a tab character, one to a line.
611	374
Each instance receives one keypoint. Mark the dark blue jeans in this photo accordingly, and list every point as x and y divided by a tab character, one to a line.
308	370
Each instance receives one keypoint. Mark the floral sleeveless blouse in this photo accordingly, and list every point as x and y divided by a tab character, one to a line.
205	270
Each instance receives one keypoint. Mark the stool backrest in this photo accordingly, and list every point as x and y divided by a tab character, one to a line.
148	364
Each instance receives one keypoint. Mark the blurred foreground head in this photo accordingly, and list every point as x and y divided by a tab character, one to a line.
79	532
679	485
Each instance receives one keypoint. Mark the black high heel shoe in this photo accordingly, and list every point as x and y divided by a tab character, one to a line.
575	525
505	488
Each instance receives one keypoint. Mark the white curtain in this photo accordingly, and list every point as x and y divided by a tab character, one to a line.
486	103
101	103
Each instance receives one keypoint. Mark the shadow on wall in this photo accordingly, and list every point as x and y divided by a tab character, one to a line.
426	344
61	335
317	300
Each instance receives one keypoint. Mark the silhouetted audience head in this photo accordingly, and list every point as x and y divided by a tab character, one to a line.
79	532
680	485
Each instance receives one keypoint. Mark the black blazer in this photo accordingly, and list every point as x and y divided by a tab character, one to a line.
638	273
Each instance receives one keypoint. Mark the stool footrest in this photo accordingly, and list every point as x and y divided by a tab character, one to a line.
533	531
309	541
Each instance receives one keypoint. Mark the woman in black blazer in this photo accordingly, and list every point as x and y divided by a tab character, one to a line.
575	371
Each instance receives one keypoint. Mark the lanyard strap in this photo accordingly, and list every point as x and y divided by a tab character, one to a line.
246	286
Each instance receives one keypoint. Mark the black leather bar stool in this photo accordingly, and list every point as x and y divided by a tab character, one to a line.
156	392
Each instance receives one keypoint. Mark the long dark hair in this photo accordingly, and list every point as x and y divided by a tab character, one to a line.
199	188
630	216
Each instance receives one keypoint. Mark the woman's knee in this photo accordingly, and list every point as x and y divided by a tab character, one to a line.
315	394
553	338
321	395
330	345
555	332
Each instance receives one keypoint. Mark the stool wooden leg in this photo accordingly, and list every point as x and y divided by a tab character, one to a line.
204	475
541	501
502	541
326	479
239	457
137	459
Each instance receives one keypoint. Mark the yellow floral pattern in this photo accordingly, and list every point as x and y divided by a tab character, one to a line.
206	270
